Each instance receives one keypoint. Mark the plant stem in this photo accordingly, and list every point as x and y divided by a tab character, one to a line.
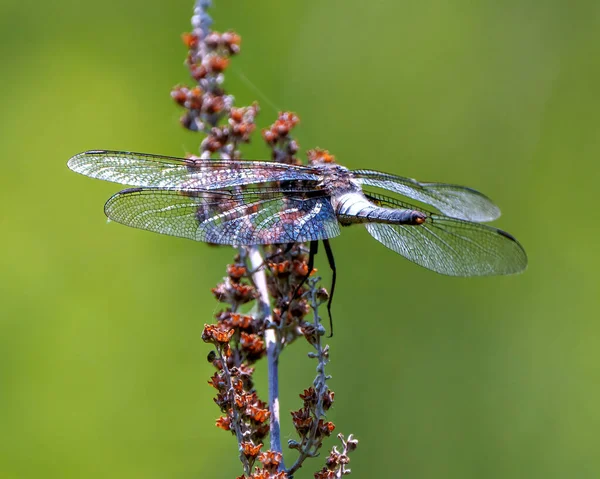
272	344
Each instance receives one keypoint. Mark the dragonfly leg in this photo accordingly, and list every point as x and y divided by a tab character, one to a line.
331	260
314	248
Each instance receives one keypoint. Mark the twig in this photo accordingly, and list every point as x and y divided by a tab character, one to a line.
312	441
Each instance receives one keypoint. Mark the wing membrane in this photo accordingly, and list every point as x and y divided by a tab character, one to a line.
260	217
450	246
452	200
145	170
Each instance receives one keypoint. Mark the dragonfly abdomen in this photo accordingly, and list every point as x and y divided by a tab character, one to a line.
353	208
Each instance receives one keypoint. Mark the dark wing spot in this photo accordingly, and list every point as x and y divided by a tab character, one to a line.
507	235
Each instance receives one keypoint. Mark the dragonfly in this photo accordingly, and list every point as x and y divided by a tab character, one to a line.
246	202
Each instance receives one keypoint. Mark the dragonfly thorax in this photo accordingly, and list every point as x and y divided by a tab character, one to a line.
338	180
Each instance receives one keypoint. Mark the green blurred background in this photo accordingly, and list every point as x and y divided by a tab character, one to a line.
102	369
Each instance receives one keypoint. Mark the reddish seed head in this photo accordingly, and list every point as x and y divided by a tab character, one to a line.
231	37
233	49
220	133
245	293
318	155
217	382
310	333
328	399
259	415
217	64
309	396
236	114
252	344
194	99
244	129
250	450
235	271
224	423
213	333
198	72
269	136
293	147
325	474
302	421
333	460
212	144
237	320
288	117
190	40
280	270
238	385
325	428
232	42
300	269
282	128
179	94
270	459
299	308
213	104
212	40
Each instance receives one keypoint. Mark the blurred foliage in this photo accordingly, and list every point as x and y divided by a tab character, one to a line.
102	369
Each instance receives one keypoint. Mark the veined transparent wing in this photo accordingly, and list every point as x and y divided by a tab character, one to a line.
452	200
246	218
156	171
448	245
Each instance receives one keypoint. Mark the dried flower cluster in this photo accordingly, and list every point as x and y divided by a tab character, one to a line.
206	103
337	461
283	146
271	462
244	331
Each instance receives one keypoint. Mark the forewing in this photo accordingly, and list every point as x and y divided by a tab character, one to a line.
451	200
145	170
450	246
225	218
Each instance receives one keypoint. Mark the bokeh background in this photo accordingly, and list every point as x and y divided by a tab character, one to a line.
102	369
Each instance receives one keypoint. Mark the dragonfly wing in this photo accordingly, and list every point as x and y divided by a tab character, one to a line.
225	218
451	246
451	200
145	170
280	219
